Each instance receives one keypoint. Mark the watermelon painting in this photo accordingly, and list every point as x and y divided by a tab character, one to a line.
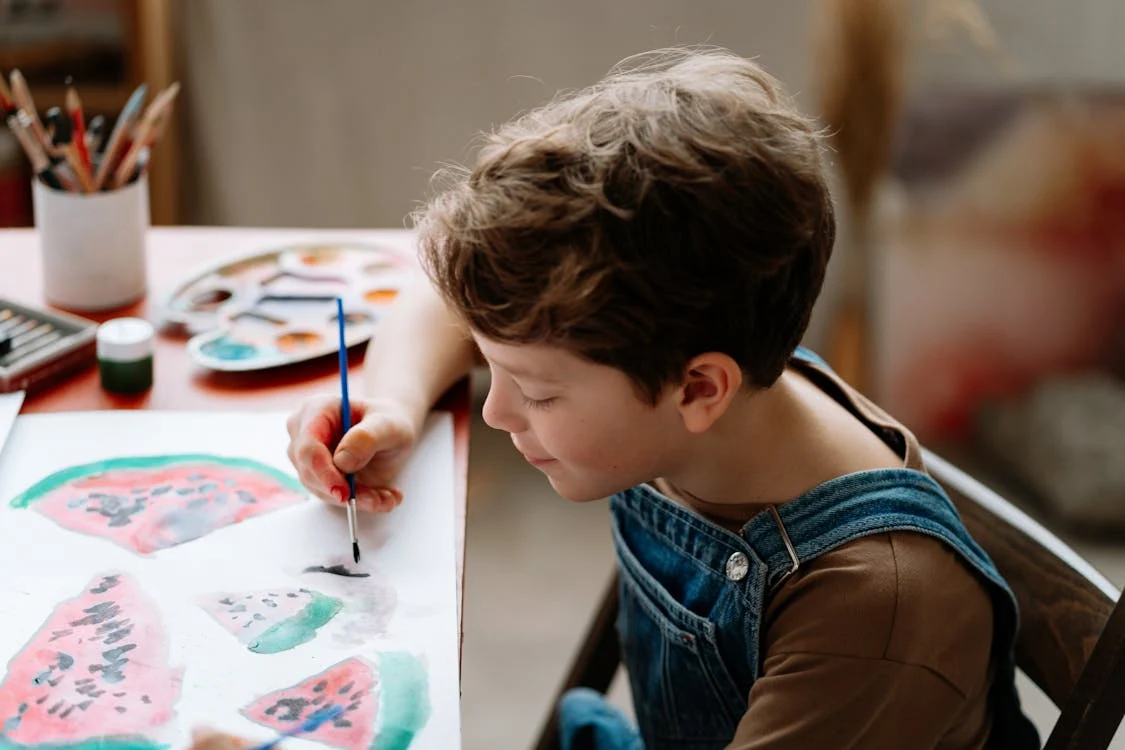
385	704
268	622
149	503
95	676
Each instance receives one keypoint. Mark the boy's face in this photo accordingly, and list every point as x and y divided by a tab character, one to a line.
581	424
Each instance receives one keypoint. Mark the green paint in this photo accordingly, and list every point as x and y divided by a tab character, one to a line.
63	476
94	743
298	629
404	699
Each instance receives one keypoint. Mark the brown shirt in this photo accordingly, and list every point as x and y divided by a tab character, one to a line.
881	643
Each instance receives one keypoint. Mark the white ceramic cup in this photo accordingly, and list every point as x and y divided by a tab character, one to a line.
93	245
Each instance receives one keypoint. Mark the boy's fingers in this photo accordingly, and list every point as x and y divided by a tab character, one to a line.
313	458
372	435
324	425
207	739
377	500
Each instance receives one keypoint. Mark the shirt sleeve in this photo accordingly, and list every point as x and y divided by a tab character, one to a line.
808	700
882	643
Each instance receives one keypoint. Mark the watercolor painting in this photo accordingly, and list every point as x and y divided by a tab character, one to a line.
149	503
385	704
224	594
269	622
370	600
95	676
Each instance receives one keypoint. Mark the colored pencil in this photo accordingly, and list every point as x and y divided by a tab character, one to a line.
78	123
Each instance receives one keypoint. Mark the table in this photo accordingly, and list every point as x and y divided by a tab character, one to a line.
174	254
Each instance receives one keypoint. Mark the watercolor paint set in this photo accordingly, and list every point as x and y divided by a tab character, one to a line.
277	307
38	347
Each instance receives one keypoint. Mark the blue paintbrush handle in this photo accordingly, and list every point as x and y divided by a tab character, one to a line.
311	724
345	405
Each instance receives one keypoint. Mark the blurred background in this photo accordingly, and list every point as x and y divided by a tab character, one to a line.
977	291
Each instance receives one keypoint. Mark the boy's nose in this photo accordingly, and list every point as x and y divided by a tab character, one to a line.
498	414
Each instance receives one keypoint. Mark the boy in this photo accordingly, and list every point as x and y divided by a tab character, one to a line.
637	263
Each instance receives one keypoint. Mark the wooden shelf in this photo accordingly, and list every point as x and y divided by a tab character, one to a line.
29	57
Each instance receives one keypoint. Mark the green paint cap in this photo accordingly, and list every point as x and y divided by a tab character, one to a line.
125	347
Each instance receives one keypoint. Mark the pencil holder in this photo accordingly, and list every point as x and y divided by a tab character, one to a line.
93	245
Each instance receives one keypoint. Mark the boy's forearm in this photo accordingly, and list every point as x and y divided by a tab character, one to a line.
418	350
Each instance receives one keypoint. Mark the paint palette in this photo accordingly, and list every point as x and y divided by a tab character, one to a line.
278	307
39	347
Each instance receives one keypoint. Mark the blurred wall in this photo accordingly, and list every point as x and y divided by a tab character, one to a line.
335	113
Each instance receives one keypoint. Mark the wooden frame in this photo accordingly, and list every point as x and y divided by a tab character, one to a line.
1072	634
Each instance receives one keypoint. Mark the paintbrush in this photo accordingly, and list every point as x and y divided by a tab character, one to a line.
125	121
21	96
151	125
346	416
315	721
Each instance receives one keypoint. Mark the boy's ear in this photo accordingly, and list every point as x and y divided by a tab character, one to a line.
710	382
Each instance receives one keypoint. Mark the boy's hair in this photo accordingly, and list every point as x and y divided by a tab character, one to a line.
677	207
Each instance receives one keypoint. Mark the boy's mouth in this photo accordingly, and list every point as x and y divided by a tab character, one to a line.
538	461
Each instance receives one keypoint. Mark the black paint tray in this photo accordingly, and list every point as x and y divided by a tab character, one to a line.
38	347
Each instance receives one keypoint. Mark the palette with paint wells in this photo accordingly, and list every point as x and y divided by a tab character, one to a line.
38	347
278	307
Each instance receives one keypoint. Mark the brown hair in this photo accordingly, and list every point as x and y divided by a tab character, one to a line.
677	207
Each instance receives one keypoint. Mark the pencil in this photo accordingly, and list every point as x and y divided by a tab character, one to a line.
346	416
129	114
78	123
145	129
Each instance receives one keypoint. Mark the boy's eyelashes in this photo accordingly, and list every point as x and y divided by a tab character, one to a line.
537	403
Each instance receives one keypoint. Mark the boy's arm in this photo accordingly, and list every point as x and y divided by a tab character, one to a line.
418	351
818	700
881	643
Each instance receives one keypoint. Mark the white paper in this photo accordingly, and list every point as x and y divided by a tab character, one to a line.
10	404
410	551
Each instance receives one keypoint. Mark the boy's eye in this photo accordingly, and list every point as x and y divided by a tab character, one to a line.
537	403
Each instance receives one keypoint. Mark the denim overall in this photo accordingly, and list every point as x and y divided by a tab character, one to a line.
692	597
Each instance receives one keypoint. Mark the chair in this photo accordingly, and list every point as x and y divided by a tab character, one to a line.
1072	631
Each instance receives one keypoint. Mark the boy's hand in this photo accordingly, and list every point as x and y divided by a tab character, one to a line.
375	448
206	739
